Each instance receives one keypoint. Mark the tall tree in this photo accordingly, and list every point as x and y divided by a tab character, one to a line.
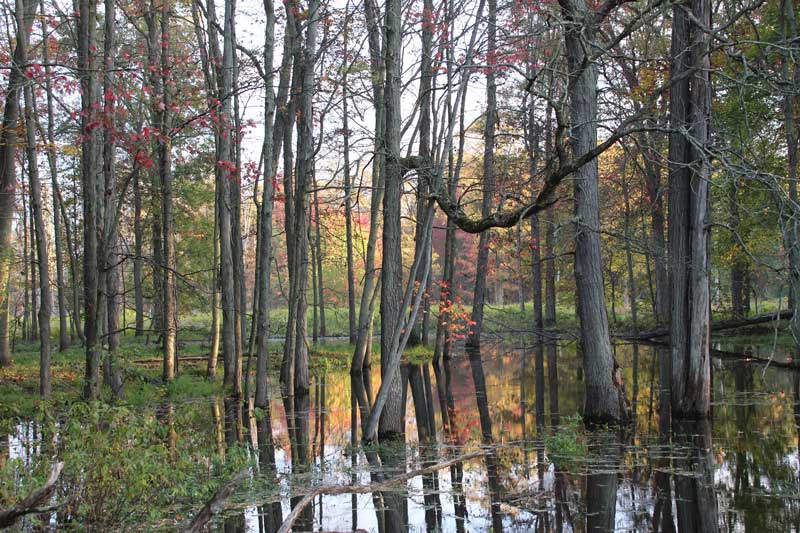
348	189
790	73
43	262
688	210
8	180
224	177
265	228
482	264
392	420
168	269
110	278
89	187
604	400
298	296
377	65
49	141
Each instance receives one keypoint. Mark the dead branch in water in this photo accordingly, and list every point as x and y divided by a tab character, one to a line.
216	503
715	326
327	490
30	504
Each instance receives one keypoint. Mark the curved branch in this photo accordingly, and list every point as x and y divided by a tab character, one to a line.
30	504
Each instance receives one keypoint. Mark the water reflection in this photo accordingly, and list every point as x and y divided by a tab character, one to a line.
603	468
737	472
481	398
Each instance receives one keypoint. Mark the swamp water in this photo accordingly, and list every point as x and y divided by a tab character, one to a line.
739	471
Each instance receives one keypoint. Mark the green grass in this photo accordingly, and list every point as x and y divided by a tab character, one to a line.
567	448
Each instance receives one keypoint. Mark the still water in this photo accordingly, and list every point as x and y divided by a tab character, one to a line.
540	471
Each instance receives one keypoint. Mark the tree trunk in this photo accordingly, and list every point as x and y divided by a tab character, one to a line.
790	223
361	357
292	47
138	259
482	265
303	180
240	294
213	353
110	276
604	399
391	423
223	187
740	266
165	173
26	306
448	291
73	256
532	141
549	227
33	331
63	314
45	379
265	228
88	82
157	217
656	200
8	141
688	213
632	289
318	257
348	207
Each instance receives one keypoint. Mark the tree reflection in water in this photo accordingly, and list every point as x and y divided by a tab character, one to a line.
695	499
663	478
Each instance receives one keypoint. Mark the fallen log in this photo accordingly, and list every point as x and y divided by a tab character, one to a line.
216	503
30	504
736	356
367	489
721	325
183	359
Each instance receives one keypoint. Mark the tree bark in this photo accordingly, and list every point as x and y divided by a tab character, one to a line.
33	331
26	307
740	266
348	206
688	213
63	314
169	287
790	223
88	83
265	228
549	227
223	187
138	259
213	353
318	257
8	140
604	399
303	180
361	354
110	276
293	47
482	264
392	418
45	378
632	288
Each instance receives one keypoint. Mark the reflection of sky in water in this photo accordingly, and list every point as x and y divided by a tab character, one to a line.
337	509
24	444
